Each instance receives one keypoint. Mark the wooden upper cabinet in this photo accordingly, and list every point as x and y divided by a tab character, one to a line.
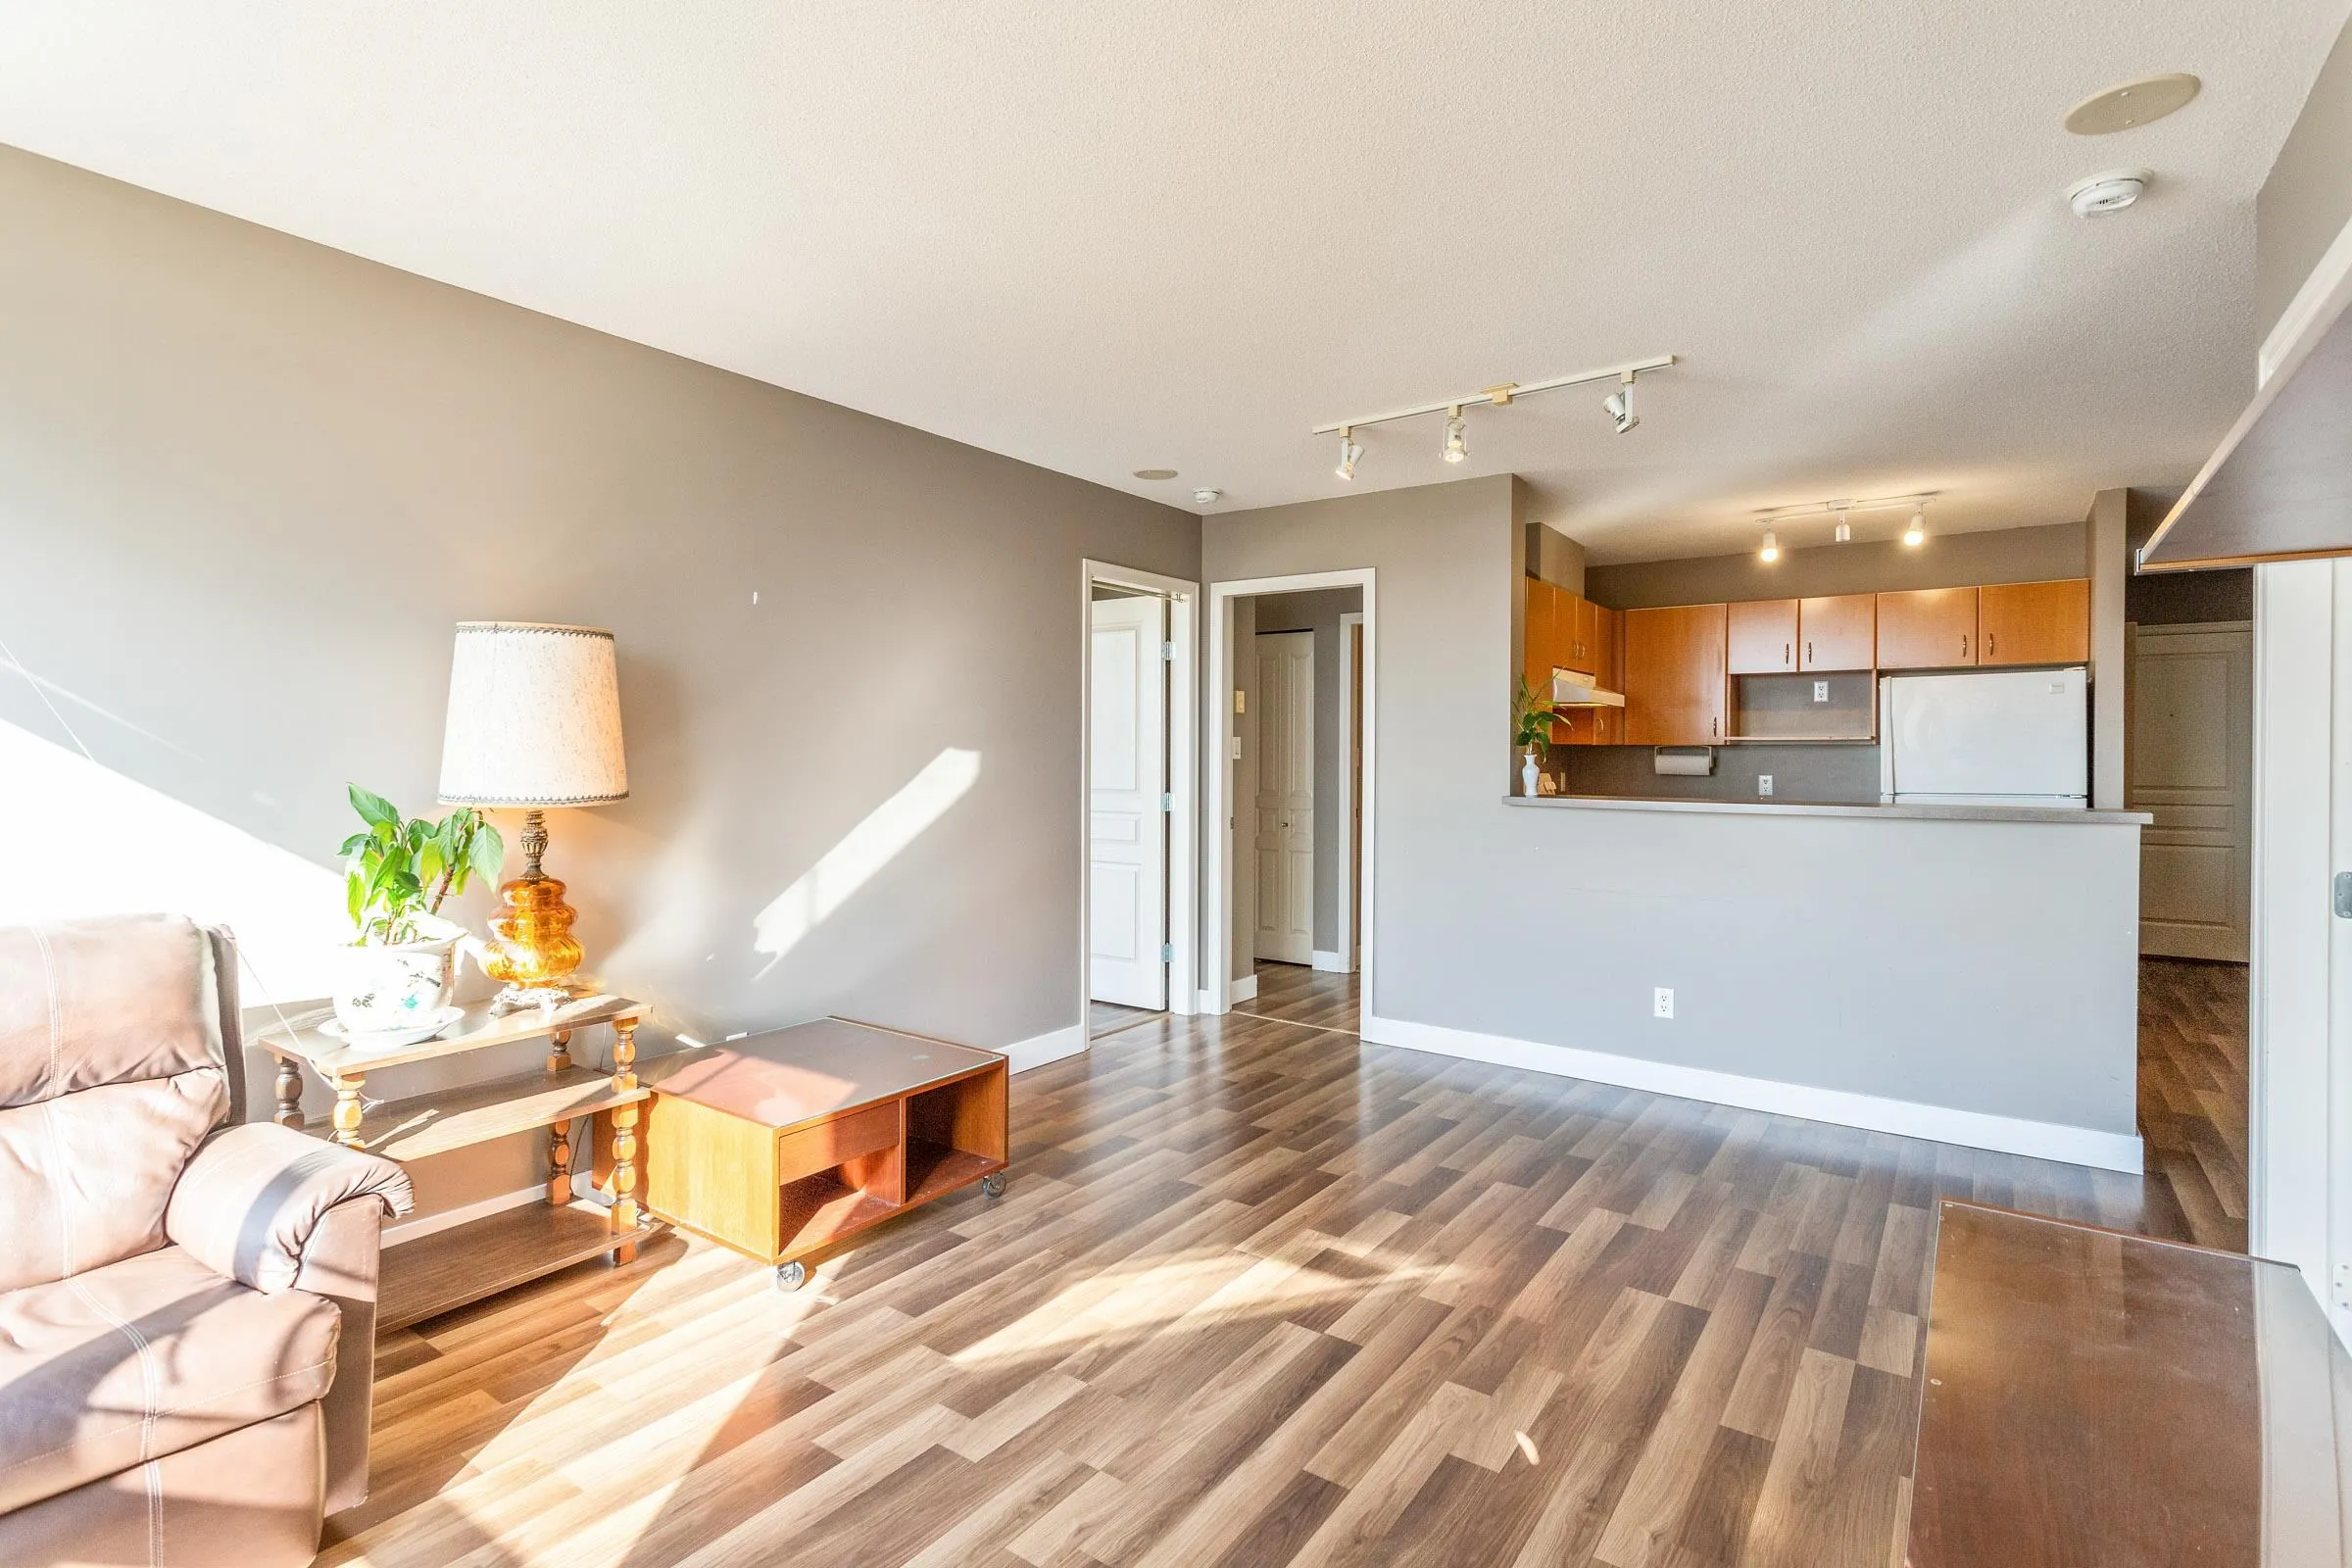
2035	622
1928	628
1762	637
1674	675
1838	632
1580	621
1543	601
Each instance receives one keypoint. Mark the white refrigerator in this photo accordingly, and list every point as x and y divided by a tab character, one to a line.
1993	737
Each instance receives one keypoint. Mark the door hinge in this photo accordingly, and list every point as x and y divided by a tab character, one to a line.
1167	953
1167	801
2343	894
1167	652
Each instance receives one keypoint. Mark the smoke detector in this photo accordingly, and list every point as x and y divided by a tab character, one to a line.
2098	195
1206	497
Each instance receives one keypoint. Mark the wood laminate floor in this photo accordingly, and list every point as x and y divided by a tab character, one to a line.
1260	1294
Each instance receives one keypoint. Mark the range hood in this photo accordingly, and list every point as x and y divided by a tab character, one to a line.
1572	688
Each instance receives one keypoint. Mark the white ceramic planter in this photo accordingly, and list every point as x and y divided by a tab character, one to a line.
394	987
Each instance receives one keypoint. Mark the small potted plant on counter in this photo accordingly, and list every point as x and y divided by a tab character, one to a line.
1531	718
402	966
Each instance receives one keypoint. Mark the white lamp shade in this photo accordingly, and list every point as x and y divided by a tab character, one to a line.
534	717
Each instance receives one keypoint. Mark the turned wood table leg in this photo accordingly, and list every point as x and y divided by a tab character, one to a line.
558	1053
289	1093
347	1108
624	1138
558	1163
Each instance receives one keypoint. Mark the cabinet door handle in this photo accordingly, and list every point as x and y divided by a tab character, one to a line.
1808	650
1711	727
1783	652
1988	645
1964	645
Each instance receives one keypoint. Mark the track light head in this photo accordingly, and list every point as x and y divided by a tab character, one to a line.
1455	448
1917	534
1772	548
1620	404
1350	451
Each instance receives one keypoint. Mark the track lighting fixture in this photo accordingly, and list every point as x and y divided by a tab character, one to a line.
1772	548
1917	534
1620	404
1845	529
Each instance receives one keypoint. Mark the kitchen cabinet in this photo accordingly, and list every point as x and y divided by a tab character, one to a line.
1580	641
1546	611
1674	675
1839	631
1761	637
1928	628
2035	622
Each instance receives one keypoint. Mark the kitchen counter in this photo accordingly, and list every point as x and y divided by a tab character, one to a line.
1872	809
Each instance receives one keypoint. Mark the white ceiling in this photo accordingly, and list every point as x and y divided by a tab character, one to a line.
1105	237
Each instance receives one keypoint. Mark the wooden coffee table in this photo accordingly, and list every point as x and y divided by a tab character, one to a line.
780	1143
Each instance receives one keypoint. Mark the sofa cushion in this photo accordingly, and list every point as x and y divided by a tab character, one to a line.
105	1001
121	1364
85	1178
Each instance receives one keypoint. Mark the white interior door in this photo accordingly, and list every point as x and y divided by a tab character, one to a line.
2191	765
1127	826
1286	797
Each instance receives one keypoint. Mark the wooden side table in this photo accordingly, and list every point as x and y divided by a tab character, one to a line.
450	1268
784	1143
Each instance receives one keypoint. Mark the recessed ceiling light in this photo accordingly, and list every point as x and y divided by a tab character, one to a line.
1155	473
2132	102
2098	195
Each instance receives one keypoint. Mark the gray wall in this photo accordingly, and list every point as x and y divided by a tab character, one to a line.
1985	966
2307	199
2179	597
1319	613
1944	560
248	484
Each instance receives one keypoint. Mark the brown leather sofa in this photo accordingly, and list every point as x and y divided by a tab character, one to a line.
187	1303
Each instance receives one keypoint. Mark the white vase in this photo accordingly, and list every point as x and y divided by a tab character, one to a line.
396	985
1528	774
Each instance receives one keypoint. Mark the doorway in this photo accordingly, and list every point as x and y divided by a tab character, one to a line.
2189	763
1289	895
1139	862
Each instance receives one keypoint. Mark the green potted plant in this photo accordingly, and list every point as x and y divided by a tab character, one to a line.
1531	718
397	874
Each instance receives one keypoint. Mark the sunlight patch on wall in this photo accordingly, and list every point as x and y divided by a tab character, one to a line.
861	852
88	841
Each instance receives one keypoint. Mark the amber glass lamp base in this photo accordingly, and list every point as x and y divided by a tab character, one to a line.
531	942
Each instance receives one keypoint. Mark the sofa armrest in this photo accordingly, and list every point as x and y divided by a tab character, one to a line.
247	1204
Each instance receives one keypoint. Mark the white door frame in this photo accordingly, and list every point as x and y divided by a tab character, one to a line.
1348	959
1216	993
1184	769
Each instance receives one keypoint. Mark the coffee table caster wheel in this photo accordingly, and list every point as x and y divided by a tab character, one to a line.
993	1184
791	1276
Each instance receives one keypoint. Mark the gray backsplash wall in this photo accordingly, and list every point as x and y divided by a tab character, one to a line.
1823	775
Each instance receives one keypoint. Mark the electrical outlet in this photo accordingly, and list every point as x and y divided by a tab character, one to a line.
1821	691
1662	1001
1763	783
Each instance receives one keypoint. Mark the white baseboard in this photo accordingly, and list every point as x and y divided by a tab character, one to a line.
1973	1129
413	1230
1052	1045
1246	989
1331	962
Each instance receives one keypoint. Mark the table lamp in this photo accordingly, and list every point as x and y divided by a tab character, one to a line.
534	721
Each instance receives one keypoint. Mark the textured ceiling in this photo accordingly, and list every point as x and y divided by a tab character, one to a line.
1105	238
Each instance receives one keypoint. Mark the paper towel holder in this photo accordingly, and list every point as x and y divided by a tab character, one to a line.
1682	762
